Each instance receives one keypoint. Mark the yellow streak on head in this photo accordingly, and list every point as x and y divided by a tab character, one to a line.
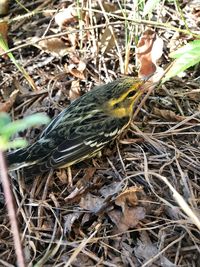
135	87
125	107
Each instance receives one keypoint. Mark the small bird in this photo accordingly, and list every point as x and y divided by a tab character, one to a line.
82	129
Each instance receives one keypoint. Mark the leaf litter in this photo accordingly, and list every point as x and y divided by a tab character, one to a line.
114	211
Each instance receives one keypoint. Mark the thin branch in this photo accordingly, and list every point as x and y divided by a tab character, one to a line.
11	210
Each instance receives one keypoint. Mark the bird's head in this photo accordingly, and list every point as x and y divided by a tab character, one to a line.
125	94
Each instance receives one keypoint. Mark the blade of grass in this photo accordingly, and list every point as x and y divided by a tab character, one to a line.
5	47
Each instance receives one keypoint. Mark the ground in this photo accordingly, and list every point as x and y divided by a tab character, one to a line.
125	208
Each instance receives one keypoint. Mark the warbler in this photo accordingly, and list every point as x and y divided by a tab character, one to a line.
82	129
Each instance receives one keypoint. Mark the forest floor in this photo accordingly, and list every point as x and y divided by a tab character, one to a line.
118	209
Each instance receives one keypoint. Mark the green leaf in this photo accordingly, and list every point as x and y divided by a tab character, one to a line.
5	144
18	143
192	47
4	119
21	125
187	56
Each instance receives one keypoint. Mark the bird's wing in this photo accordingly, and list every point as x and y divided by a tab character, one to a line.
84	140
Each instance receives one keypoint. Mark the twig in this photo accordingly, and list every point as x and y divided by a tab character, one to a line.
60	34
11	211
81	246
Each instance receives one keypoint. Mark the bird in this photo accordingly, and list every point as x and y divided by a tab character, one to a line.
82	129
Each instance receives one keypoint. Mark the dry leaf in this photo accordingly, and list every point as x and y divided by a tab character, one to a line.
83	260
128	197
55	46
4	34
81	186
71	38
168	115
69	220
73	69
107	41
5	107
91	203
194	95
129	219
89	172
86	217
4	7
149	50
75	58
68	15
130	215
4	30
126	250
111	189
146	250
74	92
76	73
62	175
109	7
81	66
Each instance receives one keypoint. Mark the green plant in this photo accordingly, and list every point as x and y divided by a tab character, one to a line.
4	46
9	128
185	57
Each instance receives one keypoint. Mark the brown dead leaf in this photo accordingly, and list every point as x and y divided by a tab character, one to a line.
81	186
89	173
91	203
68	15
5	107
149	50
62	175
69	220
168	115
111	189
84	260
196	14
4	30
4	34
129	219
75	58
71	38
194	95
128	197
107	41
73	69
76	73
108	7
74	91
146	250
86	217
4	7
81	66
130	215
56	46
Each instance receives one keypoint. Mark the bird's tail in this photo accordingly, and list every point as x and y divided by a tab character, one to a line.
18	159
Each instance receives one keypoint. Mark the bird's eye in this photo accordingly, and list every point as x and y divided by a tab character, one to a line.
131	94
